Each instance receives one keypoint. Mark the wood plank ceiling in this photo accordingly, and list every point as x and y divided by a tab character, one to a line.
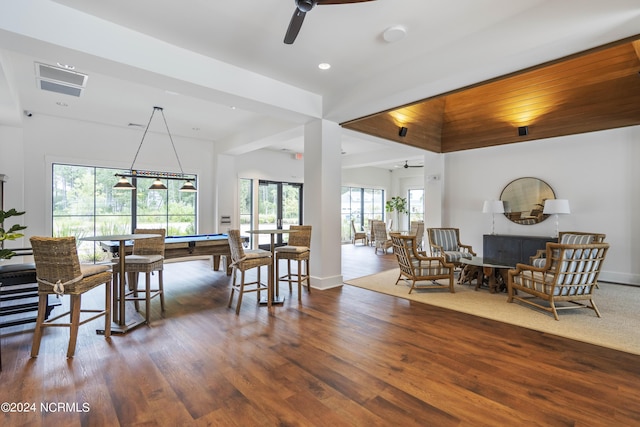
589	91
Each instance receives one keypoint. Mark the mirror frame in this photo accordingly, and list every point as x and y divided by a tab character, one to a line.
530	194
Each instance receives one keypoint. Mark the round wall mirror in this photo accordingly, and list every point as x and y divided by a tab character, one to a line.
524	200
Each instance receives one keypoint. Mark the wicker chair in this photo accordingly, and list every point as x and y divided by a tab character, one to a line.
59	272
569	237
446	242
569	275
246	260
417	229
416	266
297	249
147	258
358	235
381	237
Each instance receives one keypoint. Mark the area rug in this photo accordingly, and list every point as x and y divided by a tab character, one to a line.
619	305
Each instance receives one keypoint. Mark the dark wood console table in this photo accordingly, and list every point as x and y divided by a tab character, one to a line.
510	250
19	295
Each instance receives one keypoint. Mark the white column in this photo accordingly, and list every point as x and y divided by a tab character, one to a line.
322	181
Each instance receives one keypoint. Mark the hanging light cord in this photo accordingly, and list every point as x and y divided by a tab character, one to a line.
168	133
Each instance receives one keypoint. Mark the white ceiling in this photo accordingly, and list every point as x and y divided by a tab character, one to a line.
198	58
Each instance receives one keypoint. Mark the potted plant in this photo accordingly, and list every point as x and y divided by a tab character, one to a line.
12	233
397	204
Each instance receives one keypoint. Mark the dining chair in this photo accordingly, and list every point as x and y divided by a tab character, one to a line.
243	260
59	272
382	240
358	235
147	258
297	249
417	229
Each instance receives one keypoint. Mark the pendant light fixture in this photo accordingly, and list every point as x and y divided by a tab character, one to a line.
123	182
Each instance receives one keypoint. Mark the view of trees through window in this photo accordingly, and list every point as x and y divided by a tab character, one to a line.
361	205
416	205
84	203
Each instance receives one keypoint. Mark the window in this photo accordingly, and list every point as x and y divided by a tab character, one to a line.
416	205
246	206
361	205
84	203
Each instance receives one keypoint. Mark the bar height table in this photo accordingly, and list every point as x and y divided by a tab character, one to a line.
277	299
120	324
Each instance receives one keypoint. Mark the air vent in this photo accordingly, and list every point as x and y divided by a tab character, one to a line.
59	80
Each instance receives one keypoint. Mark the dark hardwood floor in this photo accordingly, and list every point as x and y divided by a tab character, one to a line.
342	357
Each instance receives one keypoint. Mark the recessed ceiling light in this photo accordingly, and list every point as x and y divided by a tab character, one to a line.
170	92
324	66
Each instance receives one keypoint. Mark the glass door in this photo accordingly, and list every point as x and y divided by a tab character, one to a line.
279	207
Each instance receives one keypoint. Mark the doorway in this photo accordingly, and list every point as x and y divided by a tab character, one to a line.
279	207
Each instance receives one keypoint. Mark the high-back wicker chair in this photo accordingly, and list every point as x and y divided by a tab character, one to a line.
59	272
147	258
242	261
416	266
417	229
381	236
358	235
446	242
569	275
297	249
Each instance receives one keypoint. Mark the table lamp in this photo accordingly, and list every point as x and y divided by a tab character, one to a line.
493	207
556	207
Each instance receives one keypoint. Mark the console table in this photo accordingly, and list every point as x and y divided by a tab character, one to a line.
510	250
19	295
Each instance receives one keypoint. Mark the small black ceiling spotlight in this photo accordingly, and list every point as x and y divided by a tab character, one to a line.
403	131
523	131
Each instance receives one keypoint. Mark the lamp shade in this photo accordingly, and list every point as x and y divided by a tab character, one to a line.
493	206
556	206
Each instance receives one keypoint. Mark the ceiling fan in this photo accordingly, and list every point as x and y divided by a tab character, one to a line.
407	165
304	6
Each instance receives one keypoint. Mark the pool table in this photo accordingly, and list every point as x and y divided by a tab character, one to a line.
214	245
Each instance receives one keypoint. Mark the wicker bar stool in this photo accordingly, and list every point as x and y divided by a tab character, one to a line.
246	260
59	272
298	249
147	258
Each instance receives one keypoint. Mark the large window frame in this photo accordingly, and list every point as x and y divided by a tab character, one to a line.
360	204
84	203
415	205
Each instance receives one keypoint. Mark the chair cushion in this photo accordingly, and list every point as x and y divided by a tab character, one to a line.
256	253
142	259
91	269
577	239
447	239
295	249
454	256
539	262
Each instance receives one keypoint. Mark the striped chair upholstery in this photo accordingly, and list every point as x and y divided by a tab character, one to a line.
446	242
569	238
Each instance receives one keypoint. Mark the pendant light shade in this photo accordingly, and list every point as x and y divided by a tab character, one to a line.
188	187
157	185
124	184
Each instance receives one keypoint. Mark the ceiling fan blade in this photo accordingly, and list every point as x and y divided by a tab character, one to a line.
341	1
294	26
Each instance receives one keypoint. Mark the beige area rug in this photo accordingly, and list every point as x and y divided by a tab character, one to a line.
619	305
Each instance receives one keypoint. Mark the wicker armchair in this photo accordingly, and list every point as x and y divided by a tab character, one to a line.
381	237
446	242
568	237
358	235
570	274
242	261
147	258
59	272
416	266
297	249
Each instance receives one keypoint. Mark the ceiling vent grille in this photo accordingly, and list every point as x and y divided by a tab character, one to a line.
59	80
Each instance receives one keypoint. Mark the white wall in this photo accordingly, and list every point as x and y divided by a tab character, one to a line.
597	172
45	140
